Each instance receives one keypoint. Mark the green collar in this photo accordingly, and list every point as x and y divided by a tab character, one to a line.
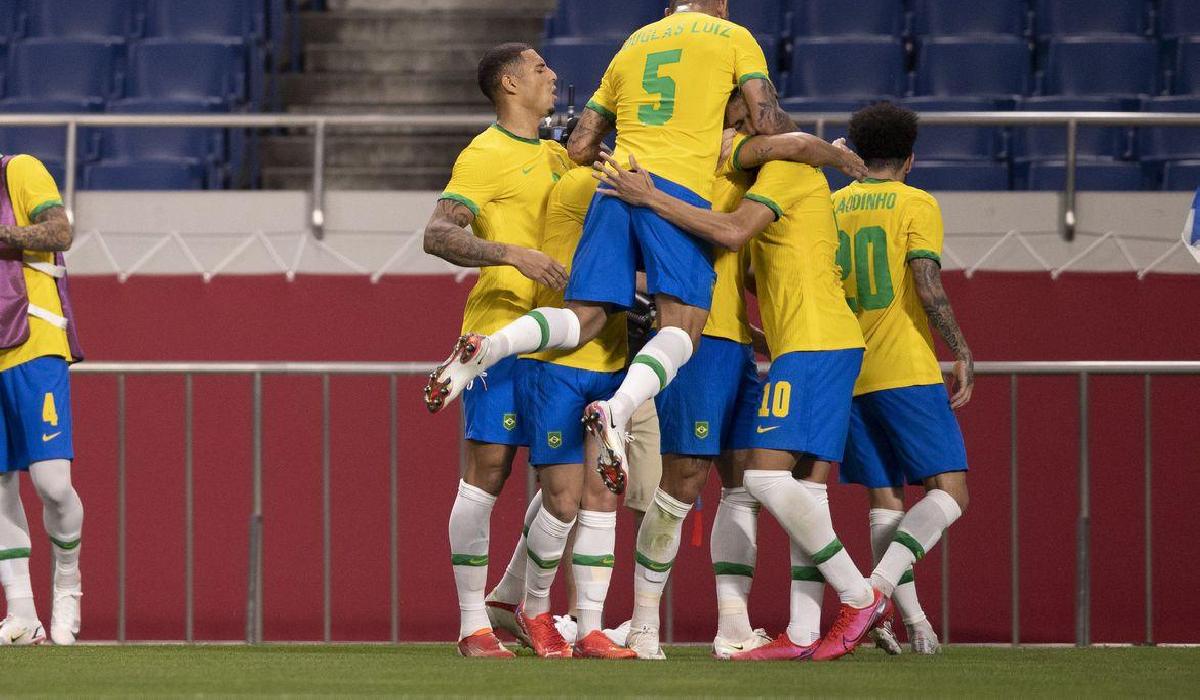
511	135
873	181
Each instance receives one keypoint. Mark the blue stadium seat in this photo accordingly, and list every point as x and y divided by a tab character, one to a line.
88	70
190	70
1050	142
958	142
1102	175
958	18
800	105
974	177
1089	17
1109	66
964	66
83	18
847	67
1181	176
759	16
205	19
1179	18
842	18
13	18
144	175
604	18
1187	67
580	62
1160	143
49	143
152	143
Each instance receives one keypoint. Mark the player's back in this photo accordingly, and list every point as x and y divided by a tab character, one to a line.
727	317
667	88
882	225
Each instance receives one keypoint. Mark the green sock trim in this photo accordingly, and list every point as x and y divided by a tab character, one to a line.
913	546
542	563
827	552
653	565
17	553
906	577
545	327
604	560
807	573
728	568
64	544
654	365
469	559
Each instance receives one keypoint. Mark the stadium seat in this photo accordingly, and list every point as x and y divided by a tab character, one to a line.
847	67
580	62
83	18
800	105
759	16
210	19
1109	66
1050	142
964	66
1187	67
144	175
87	70
941	176
958	142
13	18
1102	175
49	143
1158	143
173	69
840	18
1089	17
1179	18
607	18
958	18
1181	176
151	143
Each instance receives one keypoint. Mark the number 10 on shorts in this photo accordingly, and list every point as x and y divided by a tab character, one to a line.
776	401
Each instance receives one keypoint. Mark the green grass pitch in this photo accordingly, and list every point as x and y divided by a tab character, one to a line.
424	670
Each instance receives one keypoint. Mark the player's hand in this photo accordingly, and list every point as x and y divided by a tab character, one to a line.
850	165
633	186
962	381
539	267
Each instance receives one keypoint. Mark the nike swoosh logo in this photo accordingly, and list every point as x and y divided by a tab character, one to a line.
739	647
48	438
761	429
526	171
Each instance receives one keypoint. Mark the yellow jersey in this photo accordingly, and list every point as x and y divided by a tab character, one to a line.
565	211
33	191
504	180
799	286
666	90
727	317
882	224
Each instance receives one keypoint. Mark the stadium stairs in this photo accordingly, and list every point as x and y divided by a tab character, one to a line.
392	56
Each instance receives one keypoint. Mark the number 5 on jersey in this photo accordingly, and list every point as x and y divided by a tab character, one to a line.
661	85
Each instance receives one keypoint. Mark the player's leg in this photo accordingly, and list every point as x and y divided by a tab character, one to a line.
886	512
562	491
502	602
62	515
21	625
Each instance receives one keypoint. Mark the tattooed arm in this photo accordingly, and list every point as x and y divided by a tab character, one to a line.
584	144
766	116
928	277
800	147
49	232
447	237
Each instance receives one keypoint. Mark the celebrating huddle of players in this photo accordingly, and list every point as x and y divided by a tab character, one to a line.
712	193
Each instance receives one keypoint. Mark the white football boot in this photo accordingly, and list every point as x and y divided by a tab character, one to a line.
923	639
724	648
620	634
15	631
457	372
644	640
567	627
885	638
503	616
611	465
65	615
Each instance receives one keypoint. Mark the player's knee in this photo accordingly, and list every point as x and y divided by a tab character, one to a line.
886	498
56	490
563	505
489	476
684	478
592	318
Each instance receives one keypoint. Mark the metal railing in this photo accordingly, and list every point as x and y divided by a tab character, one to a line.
319	126
326	370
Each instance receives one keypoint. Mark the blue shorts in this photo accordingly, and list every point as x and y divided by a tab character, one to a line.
552	398
490	406
619	239
806	403
711	404
905	434
35	405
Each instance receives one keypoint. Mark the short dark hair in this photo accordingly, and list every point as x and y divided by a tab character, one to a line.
883	134
495	62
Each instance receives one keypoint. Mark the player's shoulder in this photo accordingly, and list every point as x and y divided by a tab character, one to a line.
916	198
24	161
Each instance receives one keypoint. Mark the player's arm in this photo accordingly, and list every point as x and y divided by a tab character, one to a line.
927	275
634	186
584	145
447	237
50	231
800	147
766	116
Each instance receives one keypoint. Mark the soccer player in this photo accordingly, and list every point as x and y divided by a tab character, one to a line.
902	426
39	341
816	349
499	188
665	93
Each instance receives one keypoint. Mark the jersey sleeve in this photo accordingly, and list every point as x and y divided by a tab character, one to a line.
923	230
730	163
749	62
604	100
473	182
32	186
774	188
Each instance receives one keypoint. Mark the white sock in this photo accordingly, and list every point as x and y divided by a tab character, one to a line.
734	550
470	521
657	544
651	371
544	327
546	542
808	584
920	530
62	515
883	530
592	563
14	550
511	589
808	524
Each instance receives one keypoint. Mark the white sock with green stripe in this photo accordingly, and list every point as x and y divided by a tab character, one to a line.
734	550
511	589
470	521
14	550
546	541
651	370
62	515
808	584
544	327
883	530
592	563
657	544
918	532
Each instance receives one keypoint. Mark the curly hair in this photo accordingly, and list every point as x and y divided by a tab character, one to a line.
883	134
